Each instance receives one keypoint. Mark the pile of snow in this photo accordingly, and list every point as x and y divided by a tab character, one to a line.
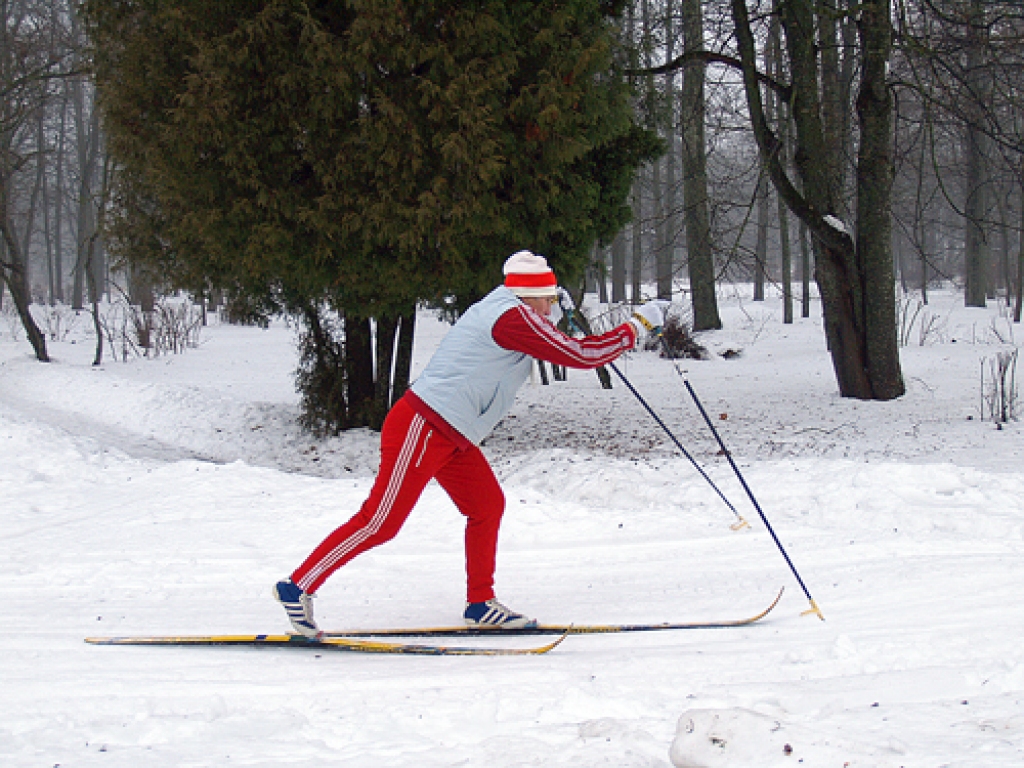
165	496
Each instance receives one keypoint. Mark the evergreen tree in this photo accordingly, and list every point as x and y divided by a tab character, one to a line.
363	156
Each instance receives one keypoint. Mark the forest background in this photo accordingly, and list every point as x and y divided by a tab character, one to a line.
344	162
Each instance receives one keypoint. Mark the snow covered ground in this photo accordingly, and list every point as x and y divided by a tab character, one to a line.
165	496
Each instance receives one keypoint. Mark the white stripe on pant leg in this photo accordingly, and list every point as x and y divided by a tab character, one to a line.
383	510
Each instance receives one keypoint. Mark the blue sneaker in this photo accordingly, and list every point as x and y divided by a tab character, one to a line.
299	607
493	614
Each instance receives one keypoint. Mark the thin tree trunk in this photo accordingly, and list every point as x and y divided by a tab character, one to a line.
386	331
782	123
670	228
636	201
403	354
787	264
805	272
13	275
359	372
761	247
58	205
637	261
921	229
1004	281
976	246
619	268
601	274
95	275
662	264
94	299
1020	262
51	285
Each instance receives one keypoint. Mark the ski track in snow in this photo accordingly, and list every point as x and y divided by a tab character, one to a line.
166	496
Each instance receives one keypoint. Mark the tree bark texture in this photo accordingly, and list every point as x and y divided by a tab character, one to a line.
860	335
874	203
14	276
977	250
696	218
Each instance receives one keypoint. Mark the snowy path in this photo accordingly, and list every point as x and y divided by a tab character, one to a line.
112	526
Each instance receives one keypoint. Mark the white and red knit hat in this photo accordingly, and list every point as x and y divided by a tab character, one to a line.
528	275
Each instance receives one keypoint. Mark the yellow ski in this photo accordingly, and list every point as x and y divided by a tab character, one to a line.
550	629
324	643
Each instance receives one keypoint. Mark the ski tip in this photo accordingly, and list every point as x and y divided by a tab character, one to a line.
558	641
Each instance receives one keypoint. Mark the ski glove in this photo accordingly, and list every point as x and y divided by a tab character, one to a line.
650	316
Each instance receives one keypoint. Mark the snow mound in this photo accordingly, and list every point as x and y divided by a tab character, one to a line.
708	738
717	738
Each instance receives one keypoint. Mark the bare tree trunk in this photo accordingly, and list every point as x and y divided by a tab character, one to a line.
601	273
874	204
51	285
403	354
637	255
95	276
58	207
782	121
977	250
921	230
1001	279
94	300
762	193
662	265
1020	261
87	129
805	272
670	226
386	331
13	275
787	264
832	105
619	268
33	200
696	218
761	247
636	194
860	329
662	273
976	246
359	372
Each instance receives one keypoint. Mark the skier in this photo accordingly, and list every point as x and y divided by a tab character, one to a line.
435	429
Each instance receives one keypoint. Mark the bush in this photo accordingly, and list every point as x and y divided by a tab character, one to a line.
240	309
320	377
1000	392
678	338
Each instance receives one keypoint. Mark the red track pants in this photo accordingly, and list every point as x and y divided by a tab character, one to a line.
411	454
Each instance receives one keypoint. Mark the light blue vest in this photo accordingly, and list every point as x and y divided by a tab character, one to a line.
470	381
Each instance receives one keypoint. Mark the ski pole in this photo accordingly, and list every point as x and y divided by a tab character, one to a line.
740	522
739	476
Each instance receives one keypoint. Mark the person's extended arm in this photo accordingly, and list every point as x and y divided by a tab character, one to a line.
522	330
